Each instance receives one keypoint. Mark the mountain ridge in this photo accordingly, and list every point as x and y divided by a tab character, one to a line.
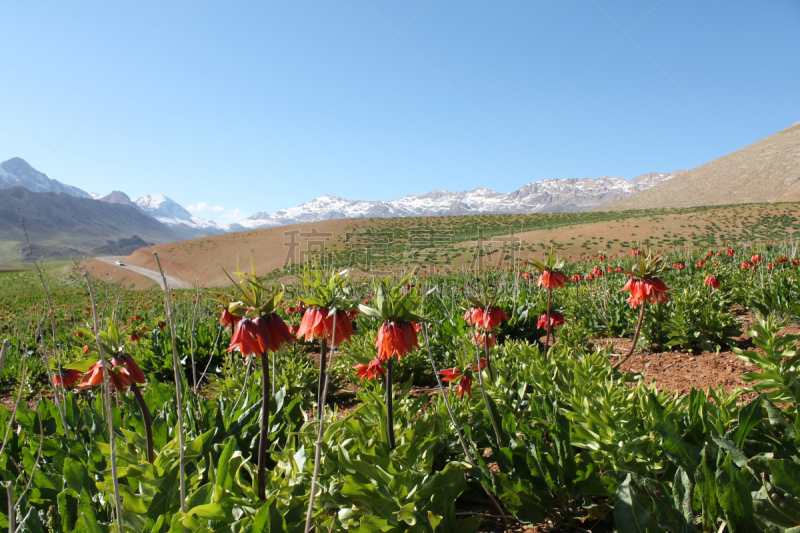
543	196
765	171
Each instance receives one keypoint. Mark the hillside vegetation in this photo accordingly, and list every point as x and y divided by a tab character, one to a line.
453	242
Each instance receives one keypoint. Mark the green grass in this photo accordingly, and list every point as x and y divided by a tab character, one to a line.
19	278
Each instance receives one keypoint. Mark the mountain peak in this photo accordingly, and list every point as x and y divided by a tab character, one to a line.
543	196
17	172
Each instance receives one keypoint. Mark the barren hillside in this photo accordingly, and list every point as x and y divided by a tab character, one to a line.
766	171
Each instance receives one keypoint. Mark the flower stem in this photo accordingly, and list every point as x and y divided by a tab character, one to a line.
148	428
320	433
547	317
483	393
389	405
262	441
488	361
635	338
323	363
177	368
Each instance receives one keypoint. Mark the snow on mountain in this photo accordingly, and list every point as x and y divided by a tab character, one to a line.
17	172
171	213
544	196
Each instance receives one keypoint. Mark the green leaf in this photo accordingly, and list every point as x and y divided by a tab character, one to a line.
268	519
224	477
733	491
632	513
786	476
76	475
749	417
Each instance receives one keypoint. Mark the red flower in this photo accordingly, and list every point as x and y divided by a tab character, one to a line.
227	319
293	330
556	319
129	368
68	378
709	254
712	282
484	363
395	338
317	323
589	277
729	252
700	264
550	279
679	266
481	338
85	350
756	258
450	374
770	266
597	272
465	385
488	320
94	376
373	371
162	325
245	339
651	290
577	277
272	333
635	253
745	266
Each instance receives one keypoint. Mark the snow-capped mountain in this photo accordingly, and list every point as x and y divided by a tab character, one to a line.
17	172
171	213
545	196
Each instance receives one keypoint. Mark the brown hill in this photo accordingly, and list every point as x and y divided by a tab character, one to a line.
572	234
766	171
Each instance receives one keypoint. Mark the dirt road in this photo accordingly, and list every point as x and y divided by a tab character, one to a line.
173	282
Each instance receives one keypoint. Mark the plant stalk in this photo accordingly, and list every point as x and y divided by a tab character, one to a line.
56	397
176	366
323	356
107	398
547	337
389	405
488	361
635	339
148	426
320	433
12	521
483	393
262	441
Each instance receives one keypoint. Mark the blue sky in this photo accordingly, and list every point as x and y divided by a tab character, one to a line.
256	106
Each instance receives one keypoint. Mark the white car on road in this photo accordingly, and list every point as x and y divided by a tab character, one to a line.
120	263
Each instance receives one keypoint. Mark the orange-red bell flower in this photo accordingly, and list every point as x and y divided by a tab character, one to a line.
550	279
272	332
481	338
317	323
712	282
486	319
396	339
227	319
651	290
68	378
556	319
245	338
94	377
129	368
372	371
